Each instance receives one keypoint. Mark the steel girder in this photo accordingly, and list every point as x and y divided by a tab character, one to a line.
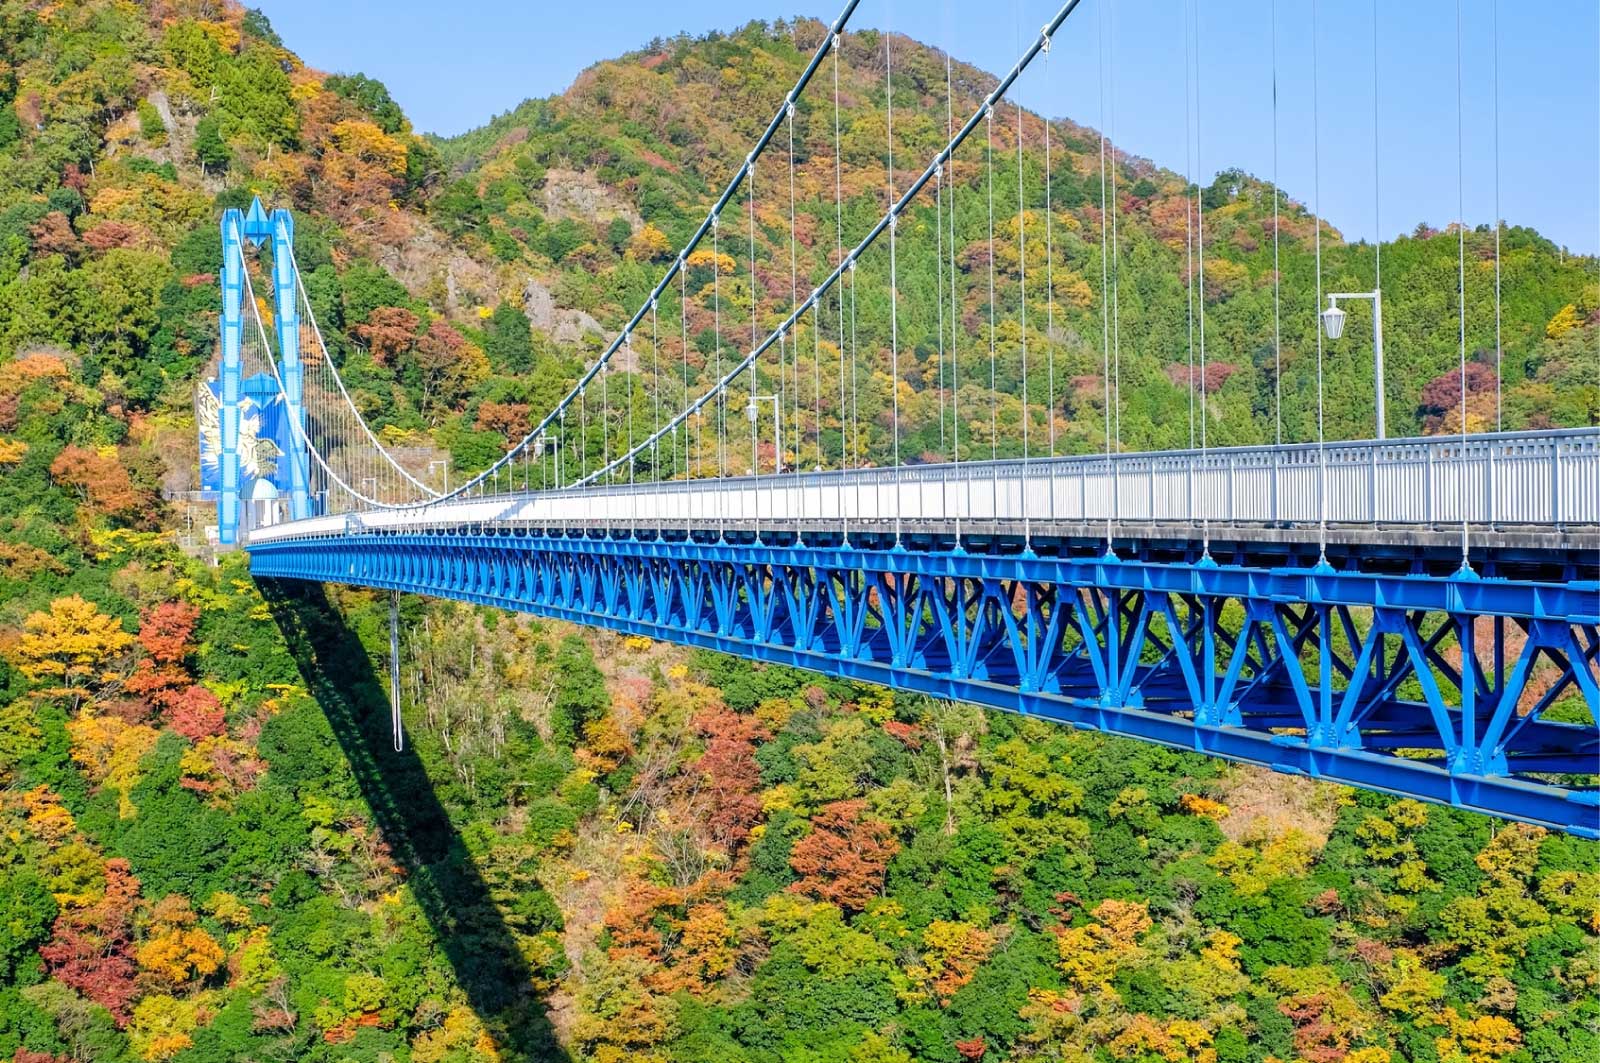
1442	689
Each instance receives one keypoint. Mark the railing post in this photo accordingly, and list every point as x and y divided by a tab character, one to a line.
1427	484
1231	492
1494	489
1555	483
1277	459
1372	486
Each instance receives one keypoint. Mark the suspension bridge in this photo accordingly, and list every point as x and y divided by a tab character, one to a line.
1418	616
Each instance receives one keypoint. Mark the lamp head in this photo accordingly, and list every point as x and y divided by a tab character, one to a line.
1333	322
750	411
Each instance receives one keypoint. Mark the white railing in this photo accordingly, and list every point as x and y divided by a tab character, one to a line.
1549	478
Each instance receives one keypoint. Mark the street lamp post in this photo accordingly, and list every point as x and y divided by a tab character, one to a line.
539	442
441	463
750	411
1333	324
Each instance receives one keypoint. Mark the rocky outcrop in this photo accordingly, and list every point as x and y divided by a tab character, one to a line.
430	266
581	196
564	326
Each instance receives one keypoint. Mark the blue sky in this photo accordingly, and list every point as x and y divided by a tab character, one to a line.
453	66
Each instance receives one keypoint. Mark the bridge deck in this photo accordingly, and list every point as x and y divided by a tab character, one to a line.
1515	490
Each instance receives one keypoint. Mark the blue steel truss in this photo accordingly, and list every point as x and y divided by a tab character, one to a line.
1417	685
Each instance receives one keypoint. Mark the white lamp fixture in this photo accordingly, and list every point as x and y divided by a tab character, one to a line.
751	412
1333	322
1333	325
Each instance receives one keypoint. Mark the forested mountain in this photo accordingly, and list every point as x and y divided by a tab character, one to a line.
599	848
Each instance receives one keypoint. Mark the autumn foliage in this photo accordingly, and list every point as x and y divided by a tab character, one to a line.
91	949
843	859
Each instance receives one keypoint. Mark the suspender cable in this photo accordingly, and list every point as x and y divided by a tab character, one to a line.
938	258
894	277
655	419
308	322
911	192
994	391
794	297
683	321
1377	234
816	385
1116	239
679	263
1316	186
1499	348
633	496
1277	268
855	376
605	414
956	314
1022	304
755	449
716	310
1188	214
1200	248
1049	278
631	382
1461	269
838	241
1105	284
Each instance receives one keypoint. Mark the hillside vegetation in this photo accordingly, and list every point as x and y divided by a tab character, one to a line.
599	848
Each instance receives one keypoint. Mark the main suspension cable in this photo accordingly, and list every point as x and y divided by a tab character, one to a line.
883	223
576	394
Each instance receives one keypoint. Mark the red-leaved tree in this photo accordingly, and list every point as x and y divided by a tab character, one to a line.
91	948
844	857
732	775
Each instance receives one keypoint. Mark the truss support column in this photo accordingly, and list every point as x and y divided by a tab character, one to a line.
285	291
232	337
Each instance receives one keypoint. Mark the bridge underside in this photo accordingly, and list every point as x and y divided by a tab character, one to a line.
1478	691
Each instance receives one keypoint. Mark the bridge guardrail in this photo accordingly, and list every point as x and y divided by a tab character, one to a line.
1543	478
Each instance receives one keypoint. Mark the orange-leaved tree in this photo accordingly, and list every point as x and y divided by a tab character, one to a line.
844	857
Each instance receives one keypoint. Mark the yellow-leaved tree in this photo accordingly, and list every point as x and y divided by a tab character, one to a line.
175	951
73	647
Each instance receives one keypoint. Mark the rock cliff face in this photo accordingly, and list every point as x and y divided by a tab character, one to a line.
562	325
432	267
579	195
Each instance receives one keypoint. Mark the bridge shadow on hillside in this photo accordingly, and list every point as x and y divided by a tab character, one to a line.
453	895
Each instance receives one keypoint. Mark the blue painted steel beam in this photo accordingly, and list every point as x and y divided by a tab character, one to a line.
286	316
1130	648
232	335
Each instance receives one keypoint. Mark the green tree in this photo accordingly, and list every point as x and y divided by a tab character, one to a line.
210	149
580	690
27	911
